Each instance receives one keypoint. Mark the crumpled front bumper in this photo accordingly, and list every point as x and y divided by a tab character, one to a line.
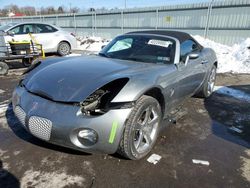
59	123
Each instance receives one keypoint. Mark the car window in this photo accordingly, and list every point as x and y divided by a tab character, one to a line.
22	29
28	28
187	47
121	45
42	28
17	30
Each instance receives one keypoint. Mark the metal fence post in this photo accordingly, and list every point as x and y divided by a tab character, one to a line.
74	23
57	20
122	22
157	19
95	24
209	11
92	23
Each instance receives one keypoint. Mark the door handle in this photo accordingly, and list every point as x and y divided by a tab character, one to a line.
204	61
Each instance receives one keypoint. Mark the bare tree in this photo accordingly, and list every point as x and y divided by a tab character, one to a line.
51	10
13	8
75	10
28	10
60	10
4	12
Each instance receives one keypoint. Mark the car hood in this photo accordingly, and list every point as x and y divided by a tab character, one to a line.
73	79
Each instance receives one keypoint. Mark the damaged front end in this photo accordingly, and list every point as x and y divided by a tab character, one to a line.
100	101
94	125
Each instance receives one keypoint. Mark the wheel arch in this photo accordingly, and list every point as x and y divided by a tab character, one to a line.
64	41
156	93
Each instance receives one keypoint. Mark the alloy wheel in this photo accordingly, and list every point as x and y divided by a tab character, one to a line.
211	81
146	129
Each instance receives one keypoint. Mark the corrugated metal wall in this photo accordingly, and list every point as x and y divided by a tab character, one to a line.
226	22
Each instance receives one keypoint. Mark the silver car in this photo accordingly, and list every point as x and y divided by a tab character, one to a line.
114	102
52	38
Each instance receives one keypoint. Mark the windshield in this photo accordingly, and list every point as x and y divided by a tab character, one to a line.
7	26
149	49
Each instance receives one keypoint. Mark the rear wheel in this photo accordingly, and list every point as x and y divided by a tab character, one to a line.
63	49
208	86
4	68
141	129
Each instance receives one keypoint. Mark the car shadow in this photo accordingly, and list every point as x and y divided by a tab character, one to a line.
20	132
230	114
15	64
7	180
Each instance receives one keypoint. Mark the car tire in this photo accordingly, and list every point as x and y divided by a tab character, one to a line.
208	86
63	48
4	68
27	62
141	129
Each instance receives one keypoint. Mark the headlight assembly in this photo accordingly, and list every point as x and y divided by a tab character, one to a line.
99	102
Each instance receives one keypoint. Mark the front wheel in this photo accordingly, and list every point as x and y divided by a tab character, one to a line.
4	68
63	49
141	129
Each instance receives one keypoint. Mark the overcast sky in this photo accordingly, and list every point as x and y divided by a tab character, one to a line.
85	4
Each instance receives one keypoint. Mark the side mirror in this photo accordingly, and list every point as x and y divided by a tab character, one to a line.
191	56
11	33
103	46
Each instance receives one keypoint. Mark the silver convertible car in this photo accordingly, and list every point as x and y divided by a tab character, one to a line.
115	101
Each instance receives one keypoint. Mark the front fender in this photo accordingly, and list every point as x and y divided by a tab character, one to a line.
134	89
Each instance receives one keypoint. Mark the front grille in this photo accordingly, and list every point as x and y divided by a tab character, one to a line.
20	114
40	127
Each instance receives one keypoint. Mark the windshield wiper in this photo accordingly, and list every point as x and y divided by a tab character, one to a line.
133	59
103	55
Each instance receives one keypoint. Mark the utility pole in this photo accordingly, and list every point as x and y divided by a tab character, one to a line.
125	4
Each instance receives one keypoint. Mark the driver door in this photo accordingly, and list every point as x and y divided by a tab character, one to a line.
190	70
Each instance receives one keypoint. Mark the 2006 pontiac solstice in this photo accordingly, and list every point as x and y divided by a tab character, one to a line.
114	101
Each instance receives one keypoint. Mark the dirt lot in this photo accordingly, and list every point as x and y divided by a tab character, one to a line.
201	133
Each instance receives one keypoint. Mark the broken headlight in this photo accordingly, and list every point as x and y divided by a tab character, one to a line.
99	101
92	102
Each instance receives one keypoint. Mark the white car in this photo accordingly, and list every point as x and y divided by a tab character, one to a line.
52	38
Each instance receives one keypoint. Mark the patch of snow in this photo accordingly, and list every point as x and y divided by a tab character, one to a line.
1	91
3	170
2	152
16	152
245	165
3	108
93	44
73	54
235	59
235	129
232	93
57	179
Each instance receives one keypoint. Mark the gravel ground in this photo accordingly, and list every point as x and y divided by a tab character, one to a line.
202	132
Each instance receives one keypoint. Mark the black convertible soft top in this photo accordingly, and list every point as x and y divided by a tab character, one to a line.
181	36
